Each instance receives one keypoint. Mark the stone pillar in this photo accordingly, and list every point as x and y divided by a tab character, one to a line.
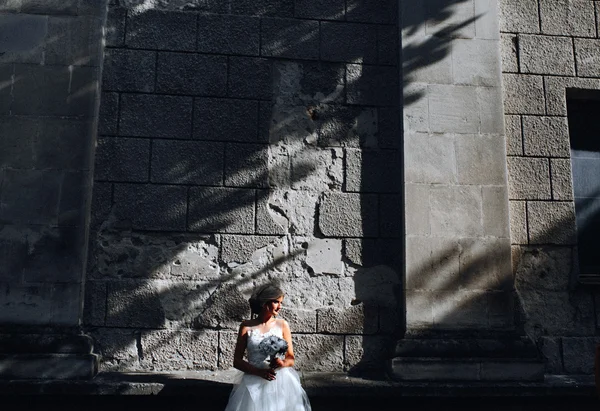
460	300
50	63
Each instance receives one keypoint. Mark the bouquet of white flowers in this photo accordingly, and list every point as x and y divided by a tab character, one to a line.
273	347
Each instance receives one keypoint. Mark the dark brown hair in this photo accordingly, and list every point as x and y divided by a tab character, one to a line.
263	295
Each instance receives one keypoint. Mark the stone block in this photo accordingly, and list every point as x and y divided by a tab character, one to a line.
108	117
226	210
546	55
162	30
94	307
587	53
129	70
307	83
177	73
300	320
514	135
146	207
48	366
10	6
519	16
239	248
348	215
273	8
74	41
30	196
290	38
22	38
122	159
523	94
226	308
555	88
417	209
552	352
228	34
227	341
428	369
66	92
487	23
579	354
357	319
54	255
366	352
427	58
372	85
512	371
320	9
58	7
485	264
544	268
115	26
13	254
225	120
432	263
246	165
350	127
316	352
551	222
196	261
387	45
388	127
373	171
270	216
567	18
348	42
491	115
475	62
155	116
250	78
134	304
429	158
528	178
461	309
101	203
63	143
446	116
47	304
372	11
451	21
324	257
17	146
557	313
118	348
175	350
187	162
370	253
318	170
391	216
495	211
518	222
456	211
509	53
562	181
480	159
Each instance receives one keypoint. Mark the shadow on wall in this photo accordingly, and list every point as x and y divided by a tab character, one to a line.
198	199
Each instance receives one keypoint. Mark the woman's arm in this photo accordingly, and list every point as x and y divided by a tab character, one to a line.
289	359
243	365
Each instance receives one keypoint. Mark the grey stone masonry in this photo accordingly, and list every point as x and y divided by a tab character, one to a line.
241	142
51	59
551	50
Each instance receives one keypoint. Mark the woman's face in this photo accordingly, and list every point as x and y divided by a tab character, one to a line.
274	306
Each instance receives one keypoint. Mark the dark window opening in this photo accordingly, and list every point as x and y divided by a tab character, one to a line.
583	108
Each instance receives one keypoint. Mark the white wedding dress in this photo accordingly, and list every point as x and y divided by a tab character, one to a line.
253	393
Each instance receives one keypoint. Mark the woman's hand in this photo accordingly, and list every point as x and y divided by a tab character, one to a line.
277	363
266	373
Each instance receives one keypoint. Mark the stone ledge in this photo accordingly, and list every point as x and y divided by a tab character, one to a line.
217	386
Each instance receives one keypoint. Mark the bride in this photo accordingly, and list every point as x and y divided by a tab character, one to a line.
269	382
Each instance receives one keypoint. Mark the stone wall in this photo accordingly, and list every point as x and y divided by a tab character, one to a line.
50	59
239	143
548	47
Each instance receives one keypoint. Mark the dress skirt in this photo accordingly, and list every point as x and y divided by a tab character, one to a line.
285	393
